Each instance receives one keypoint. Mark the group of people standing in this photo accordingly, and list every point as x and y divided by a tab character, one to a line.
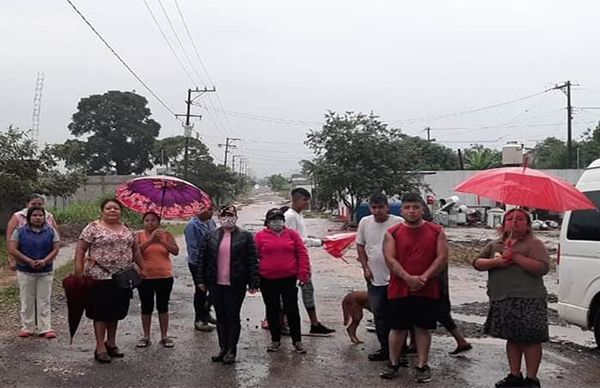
404	260
405	264
227	261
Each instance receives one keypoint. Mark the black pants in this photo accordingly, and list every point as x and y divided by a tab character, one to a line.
228	303
273	292
444	316
201	300
161	288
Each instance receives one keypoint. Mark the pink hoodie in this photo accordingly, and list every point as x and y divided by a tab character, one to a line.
282	256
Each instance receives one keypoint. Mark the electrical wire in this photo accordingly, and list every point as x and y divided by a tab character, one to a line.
469	111
144	84
171	48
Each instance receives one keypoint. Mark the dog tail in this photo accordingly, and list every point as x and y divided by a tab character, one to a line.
347	317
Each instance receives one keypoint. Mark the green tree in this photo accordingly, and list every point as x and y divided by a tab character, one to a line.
551	153
479	157
120	132
589	146
428	155
357	155
220	182
278	183
24	169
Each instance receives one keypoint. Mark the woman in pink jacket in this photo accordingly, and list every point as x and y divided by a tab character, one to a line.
283	262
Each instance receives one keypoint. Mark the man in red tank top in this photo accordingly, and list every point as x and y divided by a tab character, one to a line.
415	252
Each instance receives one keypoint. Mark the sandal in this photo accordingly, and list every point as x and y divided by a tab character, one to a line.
167	342
113	351
102	358
143	343
51	334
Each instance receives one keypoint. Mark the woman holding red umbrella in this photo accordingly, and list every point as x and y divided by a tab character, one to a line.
516	264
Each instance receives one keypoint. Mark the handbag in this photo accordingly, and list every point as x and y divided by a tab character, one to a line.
126	279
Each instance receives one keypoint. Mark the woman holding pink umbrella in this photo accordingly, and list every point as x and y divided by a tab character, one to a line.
516	264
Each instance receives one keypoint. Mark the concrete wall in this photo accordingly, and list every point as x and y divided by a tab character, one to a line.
95	186
441	183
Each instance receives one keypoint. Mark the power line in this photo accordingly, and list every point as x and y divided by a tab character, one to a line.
162	32
121	59
469	111
178	39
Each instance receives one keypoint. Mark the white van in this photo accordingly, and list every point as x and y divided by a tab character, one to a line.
579	258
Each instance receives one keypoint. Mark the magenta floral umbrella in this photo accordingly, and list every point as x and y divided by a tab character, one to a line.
167	196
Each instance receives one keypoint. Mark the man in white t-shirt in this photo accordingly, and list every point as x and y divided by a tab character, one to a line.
369	243
294	220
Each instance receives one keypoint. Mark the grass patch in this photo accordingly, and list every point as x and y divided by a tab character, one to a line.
175	229
9	297
3	253
81	213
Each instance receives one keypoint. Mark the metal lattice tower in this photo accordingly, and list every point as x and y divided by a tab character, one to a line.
37	107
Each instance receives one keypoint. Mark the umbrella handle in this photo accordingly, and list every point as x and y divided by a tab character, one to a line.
162	201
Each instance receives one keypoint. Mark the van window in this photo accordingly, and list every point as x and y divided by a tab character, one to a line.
585	224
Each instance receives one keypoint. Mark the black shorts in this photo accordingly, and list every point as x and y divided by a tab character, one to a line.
413	311
161	288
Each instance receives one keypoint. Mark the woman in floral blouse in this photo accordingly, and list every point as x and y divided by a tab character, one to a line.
105	247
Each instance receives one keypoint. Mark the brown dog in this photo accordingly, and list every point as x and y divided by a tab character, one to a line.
352	307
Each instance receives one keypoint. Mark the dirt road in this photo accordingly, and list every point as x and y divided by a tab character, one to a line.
331	361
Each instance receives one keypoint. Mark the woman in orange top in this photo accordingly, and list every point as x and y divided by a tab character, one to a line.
156	244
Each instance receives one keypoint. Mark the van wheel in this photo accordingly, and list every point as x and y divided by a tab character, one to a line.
597	327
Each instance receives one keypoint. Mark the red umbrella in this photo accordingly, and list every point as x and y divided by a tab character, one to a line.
167	196
337	244
524	186
77	291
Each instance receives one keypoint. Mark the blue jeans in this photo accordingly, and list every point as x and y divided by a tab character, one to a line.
379	306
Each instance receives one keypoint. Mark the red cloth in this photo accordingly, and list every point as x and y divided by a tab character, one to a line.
282	256
416	250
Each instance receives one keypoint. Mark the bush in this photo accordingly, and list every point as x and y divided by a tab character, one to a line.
81	213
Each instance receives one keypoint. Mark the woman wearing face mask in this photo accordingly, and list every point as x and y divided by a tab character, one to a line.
227	267
283	262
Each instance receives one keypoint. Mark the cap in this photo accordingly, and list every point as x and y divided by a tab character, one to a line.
227	210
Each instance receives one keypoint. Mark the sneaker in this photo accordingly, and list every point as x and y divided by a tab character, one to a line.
203	326
460	349
275	346
320	329
422	374
299	348
379	355
531	382
403	361
229	358
264	324
389	372
510	381
25	334
211	320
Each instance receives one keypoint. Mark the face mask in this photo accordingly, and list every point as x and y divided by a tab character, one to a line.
276	225
228	221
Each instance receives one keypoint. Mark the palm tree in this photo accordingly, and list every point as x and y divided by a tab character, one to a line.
481	158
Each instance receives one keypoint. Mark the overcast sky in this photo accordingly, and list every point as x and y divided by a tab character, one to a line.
293	60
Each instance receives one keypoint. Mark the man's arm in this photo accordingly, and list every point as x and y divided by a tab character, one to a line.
441	259
192	240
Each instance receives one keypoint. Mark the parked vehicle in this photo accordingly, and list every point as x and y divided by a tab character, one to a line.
579	258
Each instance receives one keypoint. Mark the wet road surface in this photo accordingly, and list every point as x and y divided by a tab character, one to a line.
331	361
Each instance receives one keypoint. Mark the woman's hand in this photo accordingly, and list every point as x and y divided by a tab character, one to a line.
500	260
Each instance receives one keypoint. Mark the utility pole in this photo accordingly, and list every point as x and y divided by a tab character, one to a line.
233	162
428	133
188	126
567	85
227	146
